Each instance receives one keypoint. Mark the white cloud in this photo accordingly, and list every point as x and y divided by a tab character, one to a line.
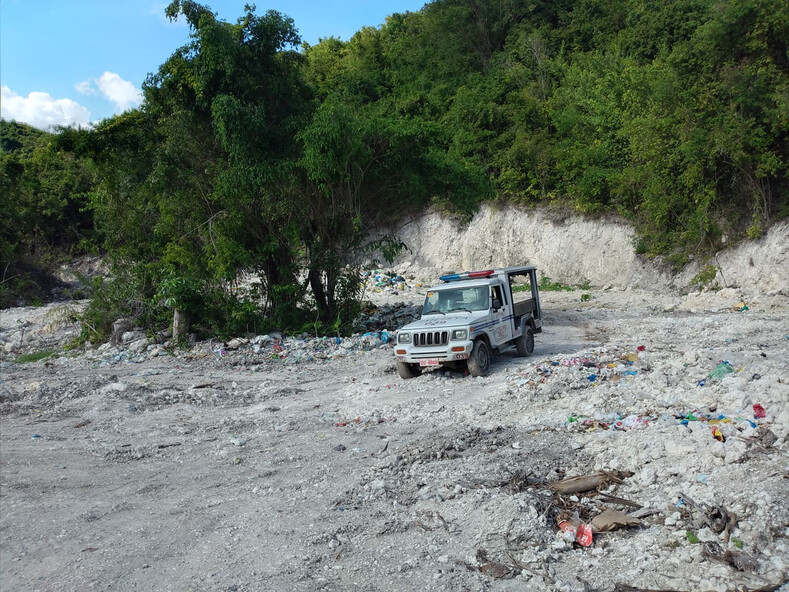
85	88
41	110
122	93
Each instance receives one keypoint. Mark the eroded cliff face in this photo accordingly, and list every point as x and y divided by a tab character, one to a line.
574	250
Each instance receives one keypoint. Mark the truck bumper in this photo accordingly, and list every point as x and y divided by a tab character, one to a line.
433	356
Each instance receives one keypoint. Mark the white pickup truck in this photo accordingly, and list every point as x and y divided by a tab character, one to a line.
469	315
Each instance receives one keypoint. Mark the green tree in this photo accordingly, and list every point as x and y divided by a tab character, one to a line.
43	195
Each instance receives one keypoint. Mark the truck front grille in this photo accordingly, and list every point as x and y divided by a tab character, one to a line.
431	338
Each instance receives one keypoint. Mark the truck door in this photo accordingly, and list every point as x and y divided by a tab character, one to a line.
501	313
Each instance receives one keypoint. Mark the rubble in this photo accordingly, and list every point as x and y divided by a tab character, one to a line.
277	462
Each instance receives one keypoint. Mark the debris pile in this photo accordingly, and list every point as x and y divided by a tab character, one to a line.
389	317
390	283
259	349
603	365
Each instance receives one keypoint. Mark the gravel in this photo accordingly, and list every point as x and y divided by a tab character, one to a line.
307	463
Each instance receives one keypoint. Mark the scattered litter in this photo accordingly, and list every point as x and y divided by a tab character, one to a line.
759	411
621	422
431	520
737	559
606	366
612	499
613	520
717	434
494	569
717	518
275	347
587	482
740	307
631	422
763	440
368	421
582	533
724	368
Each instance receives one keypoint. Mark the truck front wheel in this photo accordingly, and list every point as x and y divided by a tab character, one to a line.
525	343
406	370
479	360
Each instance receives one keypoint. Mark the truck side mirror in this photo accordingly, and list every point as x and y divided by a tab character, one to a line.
496	304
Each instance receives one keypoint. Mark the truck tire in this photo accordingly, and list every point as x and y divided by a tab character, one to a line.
406	370
525	342
479	360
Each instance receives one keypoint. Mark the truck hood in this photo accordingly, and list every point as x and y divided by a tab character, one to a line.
450	320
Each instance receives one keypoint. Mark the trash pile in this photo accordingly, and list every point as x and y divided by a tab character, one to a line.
579	519
261	348
389	317
380	322
388	282
622	422
604	365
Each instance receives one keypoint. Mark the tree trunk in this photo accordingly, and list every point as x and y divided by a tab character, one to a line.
318	291
180	324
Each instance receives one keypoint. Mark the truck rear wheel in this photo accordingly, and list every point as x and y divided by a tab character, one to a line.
406	370
479	360
525	342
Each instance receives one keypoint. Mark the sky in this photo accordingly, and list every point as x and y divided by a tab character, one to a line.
75	62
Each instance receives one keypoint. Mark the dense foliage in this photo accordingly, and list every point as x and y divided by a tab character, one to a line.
43	200
253	153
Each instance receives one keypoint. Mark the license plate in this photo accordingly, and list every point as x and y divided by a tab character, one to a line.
428	362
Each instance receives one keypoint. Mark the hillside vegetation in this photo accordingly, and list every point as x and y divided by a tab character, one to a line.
44	216
253	152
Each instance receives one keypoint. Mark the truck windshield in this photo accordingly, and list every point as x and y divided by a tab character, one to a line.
457	299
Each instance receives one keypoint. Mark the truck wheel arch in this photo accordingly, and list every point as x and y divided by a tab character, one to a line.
479	360
406	370
524	343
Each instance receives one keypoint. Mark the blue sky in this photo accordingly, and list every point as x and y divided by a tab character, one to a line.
72	62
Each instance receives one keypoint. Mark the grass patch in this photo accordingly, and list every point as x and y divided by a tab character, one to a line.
546	285
34	356
521	288
705	279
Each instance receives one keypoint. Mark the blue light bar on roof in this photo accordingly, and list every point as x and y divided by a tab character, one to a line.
466	275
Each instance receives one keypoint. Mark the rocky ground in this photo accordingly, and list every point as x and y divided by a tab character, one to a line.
287	464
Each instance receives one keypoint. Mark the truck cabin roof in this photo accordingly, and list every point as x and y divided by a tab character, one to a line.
474	277
460	284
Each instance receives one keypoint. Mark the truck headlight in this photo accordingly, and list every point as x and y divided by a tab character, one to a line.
403	338
460	334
